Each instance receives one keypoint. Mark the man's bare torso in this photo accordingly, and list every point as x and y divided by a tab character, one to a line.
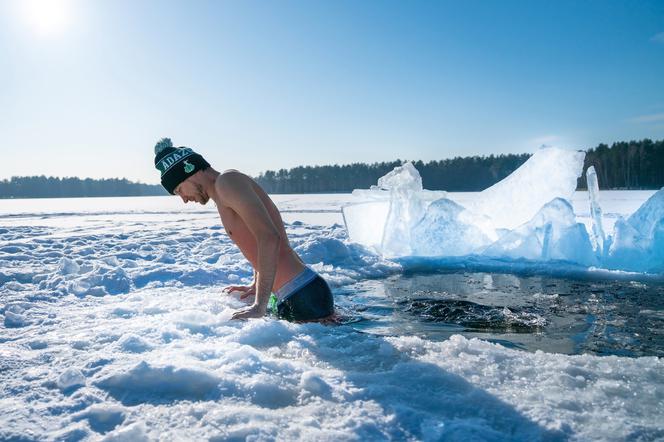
288	263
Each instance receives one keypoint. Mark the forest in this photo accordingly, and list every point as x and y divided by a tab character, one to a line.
623	165
52	187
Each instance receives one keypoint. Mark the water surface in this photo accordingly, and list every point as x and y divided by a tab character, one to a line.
623	318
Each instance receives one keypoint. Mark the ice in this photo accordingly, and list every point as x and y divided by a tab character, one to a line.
552	234
404	179
406	208
447	228
637	243
527	217
384	222
550	173
365	222
597	235
411	229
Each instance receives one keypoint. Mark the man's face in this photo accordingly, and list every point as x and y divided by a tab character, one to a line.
191	191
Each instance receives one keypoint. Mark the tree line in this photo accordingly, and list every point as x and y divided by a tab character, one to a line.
53	187
627	165
623	165
456	174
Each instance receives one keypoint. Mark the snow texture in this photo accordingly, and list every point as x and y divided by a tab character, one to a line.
113	327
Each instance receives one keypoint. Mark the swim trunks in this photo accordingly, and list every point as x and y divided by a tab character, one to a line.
306	297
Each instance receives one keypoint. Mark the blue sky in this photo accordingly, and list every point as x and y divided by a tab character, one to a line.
87	87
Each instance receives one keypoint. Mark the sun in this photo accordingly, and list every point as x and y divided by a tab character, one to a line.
46	16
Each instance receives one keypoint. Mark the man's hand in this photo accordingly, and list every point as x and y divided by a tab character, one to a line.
254	311
245	290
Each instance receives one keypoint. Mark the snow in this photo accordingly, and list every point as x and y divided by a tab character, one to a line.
528	216
113	327
101	418
71	378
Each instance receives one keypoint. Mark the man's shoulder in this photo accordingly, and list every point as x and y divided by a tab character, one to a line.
231	172
230	177
232	182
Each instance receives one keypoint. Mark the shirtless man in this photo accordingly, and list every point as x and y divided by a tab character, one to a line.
282	283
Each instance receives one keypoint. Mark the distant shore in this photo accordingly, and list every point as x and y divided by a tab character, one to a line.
632	165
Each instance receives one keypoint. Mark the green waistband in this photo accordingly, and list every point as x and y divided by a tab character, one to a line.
272	303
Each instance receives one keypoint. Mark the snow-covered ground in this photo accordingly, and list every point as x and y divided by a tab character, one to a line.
112	326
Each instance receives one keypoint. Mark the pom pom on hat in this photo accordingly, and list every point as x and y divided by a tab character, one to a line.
162	144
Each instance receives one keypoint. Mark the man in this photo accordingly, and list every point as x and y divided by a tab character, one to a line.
281	280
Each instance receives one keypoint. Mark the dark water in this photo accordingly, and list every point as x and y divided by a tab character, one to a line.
623	318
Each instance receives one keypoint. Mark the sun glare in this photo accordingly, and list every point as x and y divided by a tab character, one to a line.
46	16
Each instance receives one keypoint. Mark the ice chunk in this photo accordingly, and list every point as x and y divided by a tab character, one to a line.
365	222
646	218
406	209
550	173
597	234
637	243
387	222
395	205
525	216
447	229
553	233
403	178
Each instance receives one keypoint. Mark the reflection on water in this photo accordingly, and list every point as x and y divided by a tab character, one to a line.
529	312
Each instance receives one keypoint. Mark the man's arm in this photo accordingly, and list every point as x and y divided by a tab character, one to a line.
239	195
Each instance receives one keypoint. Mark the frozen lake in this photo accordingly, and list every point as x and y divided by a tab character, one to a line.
112	325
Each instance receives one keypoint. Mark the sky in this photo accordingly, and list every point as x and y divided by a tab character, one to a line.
88	86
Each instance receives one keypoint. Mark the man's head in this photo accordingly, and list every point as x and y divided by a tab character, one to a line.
191	189
180	167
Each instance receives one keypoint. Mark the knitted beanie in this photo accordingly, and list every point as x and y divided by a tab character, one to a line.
176	164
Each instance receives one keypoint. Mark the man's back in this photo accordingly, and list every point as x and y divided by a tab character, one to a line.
289	263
